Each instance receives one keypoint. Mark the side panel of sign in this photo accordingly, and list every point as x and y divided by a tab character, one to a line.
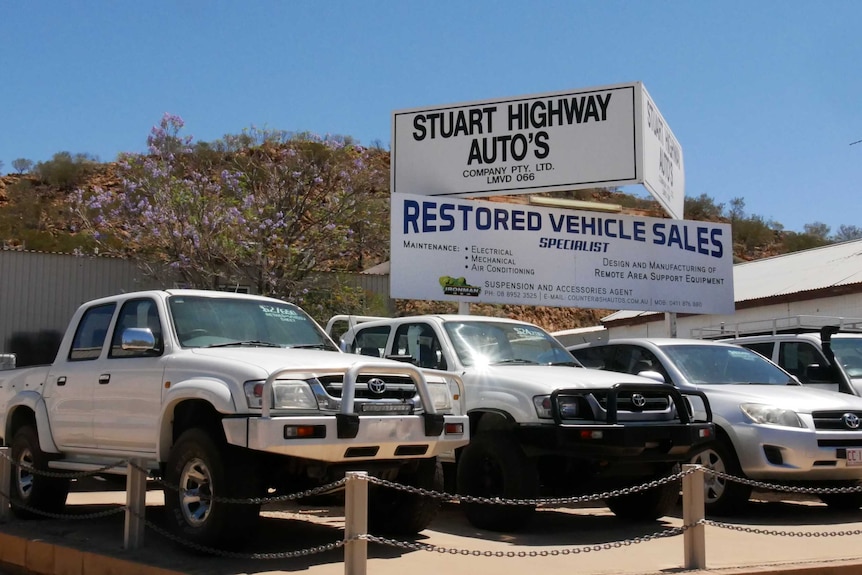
476	251
663	167
561	140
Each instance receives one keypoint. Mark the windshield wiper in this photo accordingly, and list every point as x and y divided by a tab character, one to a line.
310	346
248	342
566	363
515	360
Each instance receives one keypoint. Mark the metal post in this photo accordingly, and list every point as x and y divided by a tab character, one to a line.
693	513
355	523
464	308
5	484
670	323
136	505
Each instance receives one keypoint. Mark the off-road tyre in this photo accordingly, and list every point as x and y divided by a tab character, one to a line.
721	496
647	505
201	471
493	465
393	511
39	492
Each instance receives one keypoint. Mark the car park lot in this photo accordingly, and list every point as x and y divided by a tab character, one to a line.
778	533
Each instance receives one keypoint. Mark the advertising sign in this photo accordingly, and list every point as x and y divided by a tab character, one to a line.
477	251
599	137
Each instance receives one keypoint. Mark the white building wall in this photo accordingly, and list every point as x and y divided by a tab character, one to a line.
848	306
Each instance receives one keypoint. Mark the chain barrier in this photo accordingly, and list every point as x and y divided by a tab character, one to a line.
237	555
780	532
784	488
414	546
63	516
549	501
64	474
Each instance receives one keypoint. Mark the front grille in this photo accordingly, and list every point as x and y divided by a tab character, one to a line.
626	402
397	387
837	420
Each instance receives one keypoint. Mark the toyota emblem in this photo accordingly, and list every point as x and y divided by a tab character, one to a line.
378	386
639	401
851	420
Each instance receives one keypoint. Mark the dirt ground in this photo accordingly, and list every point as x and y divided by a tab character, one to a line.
777	533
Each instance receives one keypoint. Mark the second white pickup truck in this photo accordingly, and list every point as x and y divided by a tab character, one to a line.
224	396
542	424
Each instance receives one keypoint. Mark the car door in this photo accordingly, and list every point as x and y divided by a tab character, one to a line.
73	380
127	398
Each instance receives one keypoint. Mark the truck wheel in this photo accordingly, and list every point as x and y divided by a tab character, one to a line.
198	467
32	488
843	501
721	496
494	465
646	505
395	512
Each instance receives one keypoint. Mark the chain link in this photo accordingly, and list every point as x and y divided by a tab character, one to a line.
413	546
64	516
780	532
550	501
784	488
64	474
236	555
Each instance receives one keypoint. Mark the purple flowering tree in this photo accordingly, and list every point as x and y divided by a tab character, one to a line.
268	215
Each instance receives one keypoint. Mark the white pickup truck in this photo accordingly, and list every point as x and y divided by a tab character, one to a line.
542	424
225	396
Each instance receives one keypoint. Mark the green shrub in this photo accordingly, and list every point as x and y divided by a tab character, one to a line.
65	171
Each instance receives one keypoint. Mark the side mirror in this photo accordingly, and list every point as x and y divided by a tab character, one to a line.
653	375
138	339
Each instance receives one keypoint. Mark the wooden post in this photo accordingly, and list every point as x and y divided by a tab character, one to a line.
5	484
355	523
136	505
693	513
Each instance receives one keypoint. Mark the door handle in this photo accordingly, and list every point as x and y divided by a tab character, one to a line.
61	381
104	378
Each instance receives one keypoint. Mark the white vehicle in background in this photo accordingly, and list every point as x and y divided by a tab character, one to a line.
821	351
768	426
540	424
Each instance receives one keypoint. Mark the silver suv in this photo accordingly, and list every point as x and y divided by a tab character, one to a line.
768	426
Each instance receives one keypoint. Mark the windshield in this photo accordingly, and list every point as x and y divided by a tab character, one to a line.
490	342
848	352
724	364
215	321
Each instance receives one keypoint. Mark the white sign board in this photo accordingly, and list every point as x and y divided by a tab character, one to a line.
477	251
599	137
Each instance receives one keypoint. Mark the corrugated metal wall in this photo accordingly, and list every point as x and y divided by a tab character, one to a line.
39	292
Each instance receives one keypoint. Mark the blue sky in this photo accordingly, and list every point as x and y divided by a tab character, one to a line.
765	97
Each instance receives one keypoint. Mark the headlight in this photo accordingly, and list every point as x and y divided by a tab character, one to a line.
569	407
543	406
770	415
441	396
287	394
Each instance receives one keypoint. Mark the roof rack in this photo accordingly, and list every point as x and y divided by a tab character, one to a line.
792	324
